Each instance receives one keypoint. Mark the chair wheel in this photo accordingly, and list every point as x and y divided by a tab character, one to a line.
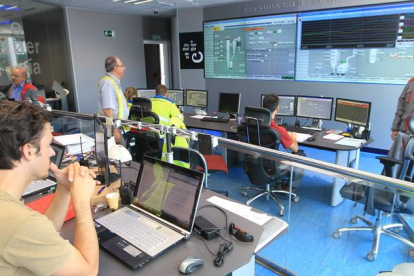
281	213
397	229
336	234
296	199
244	193
371	256
354	220
411	253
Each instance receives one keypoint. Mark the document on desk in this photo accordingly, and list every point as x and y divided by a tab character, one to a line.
350	142
240	209
302	137
333	137
198	116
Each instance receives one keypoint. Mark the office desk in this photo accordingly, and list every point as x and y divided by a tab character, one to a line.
240	260
345	156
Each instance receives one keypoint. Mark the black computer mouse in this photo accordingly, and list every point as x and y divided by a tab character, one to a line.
190	264
310	139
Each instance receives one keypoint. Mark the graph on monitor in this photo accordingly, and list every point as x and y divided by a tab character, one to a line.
371	44
251	48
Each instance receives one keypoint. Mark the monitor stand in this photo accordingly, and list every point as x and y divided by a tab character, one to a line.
316	125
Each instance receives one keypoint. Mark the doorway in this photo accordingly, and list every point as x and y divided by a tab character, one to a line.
157	65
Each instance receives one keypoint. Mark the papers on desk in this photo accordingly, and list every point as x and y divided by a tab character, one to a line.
350	142
72	143
198	116
333	137
240	209
302	137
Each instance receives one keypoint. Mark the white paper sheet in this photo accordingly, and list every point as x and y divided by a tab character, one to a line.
302	137
350	142
198	116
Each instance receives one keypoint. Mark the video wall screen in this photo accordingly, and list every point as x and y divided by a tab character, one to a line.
251	48
370	44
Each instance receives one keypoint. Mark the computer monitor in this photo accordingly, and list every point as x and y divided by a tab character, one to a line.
286	105
351	111
145	93
101	151
314	107
176	95
229	102
196	98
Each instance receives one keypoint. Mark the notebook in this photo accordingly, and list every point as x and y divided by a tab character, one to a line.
39	186
161	215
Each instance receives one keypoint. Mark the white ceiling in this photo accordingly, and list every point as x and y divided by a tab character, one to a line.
165	8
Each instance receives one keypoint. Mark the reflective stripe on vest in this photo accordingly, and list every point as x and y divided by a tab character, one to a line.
121	112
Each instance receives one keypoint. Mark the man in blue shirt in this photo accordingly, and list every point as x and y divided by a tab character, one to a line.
21	90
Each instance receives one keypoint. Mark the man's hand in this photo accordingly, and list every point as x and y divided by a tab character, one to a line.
293	135
394	134
117	135
83	185
64	177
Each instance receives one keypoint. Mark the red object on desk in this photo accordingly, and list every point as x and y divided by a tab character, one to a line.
40	205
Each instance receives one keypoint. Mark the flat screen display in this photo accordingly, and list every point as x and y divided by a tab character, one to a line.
229	102
176	96
196	98
314	107
353	112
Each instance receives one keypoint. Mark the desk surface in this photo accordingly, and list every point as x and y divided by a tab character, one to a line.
231	127
167	264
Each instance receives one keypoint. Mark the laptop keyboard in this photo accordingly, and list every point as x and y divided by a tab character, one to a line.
127	226
298	129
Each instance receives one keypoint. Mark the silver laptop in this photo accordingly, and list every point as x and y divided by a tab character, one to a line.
46	184
162	214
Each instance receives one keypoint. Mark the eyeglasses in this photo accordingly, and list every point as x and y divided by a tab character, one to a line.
120	65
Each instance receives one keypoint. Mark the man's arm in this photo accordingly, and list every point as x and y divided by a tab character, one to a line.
294	147
396	124
175	112
108	112
56	212
85	260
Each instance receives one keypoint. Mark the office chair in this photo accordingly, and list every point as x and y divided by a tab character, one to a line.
196	161
384	201
255	129
145	142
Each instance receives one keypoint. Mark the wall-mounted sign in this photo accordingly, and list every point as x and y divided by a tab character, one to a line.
156	37
192	50
109	33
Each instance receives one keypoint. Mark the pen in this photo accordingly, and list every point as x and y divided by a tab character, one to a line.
101	190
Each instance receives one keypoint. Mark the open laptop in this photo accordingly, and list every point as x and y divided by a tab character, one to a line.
39	186
161	215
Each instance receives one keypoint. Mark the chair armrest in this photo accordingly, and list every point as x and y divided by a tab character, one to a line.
388	160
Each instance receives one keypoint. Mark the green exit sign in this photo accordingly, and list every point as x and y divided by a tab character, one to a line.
109	33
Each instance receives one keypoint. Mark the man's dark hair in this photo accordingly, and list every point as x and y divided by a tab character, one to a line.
110	63
160	89
20	123
271	102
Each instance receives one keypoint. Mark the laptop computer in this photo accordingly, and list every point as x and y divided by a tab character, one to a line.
161	215
39	186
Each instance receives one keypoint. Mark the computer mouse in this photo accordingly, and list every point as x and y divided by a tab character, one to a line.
190	264
311	139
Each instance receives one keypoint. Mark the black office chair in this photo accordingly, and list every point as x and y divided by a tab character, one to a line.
143	142
196	161
385	201
255	129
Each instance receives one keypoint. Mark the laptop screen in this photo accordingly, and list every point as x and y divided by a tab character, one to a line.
168	191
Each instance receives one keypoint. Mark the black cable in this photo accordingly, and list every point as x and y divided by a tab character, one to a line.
217	228
113	162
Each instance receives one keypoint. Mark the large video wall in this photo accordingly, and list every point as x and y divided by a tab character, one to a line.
369	44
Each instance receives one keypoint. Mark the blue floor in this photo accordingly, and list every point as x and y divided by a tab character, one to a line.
308	247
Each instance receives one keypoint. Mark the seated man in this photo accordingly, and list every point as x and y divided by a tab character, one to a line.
21	90
30	243
164	107
288	139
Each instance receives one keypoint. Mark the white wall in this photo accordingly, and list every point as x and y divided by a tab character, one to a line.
88	50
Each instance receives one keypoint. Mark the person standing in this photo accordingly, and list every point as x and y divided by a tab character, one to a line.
111	100
405	108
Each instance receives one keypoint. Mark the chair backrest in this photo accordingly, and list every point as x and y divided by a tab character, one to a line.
254	128
192	157
141	110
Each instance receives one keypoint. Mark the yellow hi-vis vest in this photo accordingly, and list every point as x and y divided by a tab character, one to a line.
121	111
179	142
165	110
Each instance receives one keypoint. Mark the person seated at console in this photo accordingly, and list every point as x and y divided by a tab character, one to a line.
288	139
164	107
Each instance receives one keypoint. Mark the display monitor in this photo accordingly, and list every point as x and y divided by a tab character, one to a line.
286	105
353	112
176	96
261	47
365	44
314	107
196	98
101	151
229	102
145	93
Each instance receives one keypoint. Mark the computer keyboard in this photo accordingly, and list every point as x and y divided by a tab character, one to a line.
217	120
298	129
133	230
